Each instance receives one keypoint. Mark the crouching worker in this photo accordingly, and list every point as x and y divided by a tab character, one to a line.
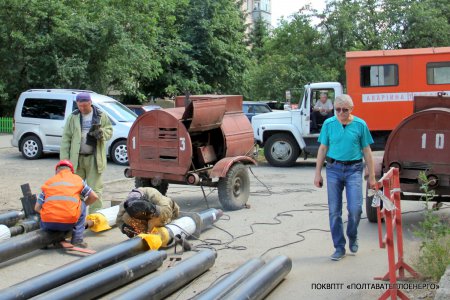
144	209
59	203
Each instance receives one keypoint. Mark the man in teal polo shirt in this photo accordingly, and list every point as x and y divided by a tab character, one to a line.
344	140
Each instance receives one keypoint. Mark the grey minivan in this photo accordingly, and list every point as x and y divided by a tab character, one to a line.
40	116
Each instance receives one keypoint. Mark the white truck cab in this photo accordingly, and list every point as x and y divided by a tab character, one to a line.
286	134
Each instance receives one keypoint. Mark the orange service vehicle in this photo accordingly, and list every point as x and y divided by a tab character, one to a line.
383	83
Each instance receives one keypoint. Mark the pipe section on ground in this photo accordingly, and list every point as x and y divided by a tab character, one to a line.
103	219
108	279
28	242
74	270
23	227
5	233
174	278
263	281
11	218
188	224
226	284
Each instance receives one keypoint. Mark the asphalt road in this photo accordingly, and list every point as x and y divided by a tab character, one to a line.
287	216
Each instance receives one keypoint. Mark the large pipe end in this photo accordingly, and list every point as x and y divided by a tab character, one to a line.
5	233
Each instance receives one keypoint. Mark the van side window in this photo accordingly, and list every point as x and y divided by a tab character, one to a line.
51	109
379	75
438	72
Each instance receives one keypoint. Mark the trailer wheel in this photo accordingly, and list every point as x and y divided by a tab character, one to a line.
234	189
281	150
371	212
147	182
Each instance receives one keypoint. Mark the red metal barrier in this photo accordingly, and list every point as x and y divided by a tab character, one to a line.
393	220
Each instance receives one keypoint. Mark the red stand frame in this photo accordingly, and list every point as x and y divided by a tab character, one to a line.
393	220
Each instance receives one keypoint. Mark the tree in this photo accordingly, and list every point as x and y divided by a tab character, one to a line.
293	56
258	37
215	31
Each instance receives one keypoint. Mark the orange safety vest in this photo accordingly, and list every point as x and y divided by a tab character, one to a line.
62	202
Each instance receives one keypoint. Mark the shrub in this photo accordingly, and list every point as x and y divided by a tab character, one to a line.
435	234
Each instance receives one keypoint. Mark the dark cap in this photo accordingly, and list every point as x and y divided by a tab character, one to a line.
83	97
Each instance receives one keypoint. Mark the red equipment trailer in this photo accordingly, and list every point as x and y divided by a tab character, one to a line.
205	140
420	143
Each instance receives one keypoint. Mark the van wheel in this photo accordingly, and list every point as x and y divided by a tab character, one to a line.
281	150
147	182
234	189
119	153
31	147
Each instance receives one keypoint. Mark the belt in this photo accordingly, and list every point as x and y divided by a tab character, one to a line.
343	162
84	154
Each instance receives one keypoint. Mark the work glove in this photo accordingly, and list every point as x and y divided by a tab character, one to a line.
96	132
128	231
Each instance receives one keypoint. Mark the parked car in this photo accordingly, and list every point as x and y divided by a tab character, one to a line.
253	108
140	109
277	105
41	114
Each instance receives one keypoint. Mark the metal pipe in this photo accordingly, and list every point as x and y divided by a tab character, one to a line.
191	224
25	226
28	242
209	217
262	281
11	218
228	283
107	279
169	281
74	270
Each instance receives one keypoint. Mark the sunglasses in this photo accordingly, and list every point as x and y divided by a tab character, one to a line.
344	110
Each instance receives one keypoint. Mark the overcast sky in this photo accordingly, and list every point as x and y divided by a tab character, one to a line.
288	7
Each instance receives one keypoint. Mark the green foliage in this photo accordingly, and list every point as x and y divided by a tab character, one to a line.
216	33
258	38
140	48
435	234
294	55
312	45
146	48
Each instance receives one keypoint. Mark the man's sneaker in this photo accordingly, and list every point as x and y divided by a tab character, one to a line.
79	244
354	246
338	255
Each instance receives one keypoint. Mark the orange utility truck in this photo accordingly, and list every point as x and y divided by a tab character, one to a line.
382	85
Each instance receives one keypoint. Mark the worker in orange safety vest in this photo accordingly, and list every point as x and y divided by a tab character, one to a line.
60	205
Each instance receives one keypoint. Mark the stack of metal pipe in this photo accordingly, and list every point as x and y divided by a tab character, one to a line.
87	276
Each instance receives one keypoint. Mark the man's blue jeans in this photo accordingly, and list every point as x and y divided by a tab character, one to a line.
350	177
77	228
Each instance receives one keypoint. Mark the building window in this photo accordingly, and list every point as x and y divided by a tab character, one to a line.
379	75
438	72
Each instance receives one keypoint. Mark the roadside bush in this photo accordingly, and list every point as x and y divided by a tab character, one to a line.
435	234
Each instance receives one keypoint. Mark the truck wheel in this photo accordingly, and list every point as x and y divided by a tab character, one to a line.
234	189
281	150
147	182
31	147
371	212
119	153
